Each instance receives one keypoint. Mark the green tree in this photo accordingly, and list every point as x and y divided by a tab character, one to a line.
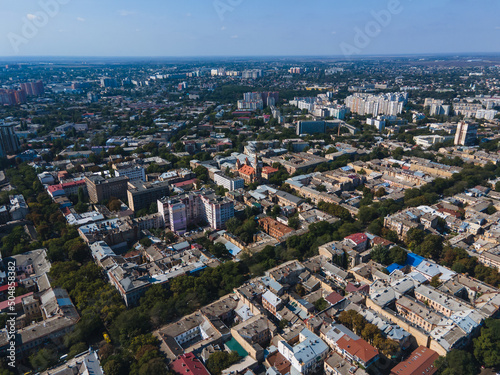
201	173
398	255
487	345
115	366
221	360
294	222
459	362
146	242
380	254
367	214
43	359
320	304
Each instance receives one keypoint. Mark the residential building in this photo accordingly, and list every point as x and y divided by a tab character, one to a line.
351	346
268	172
249	174
466	134
142	194
337	365
391	104
419	314
307	355
9	142
439	301
311	127
254	334
100	189
227	182
86	363
33	88
133	171
188	363
274	228
12	97
420	361
197	207
18	207
271	302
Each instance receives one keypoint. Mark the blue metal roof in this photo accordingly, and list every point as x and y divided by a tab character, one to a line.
393	267
413	260
64	302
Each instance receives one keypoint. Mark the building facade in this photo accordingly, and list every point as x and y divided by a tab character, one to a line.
9	142
142	194
100	188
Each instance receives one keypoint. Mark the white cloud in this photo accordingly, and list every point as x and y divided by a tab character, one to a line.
81	19
125	13
234	37
188	14
223	28
31	17
334	32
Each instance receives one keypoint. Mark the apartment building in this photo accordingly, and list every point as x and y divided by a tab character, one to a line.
142	194
274	228
133	171
228	183
197	207
100	189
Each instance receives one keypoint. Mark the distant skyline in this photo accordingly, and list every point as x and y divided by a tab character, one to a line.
247	27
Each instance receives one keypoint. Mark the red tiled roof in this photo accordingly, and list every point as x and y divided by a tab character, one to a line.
279	362
66	211
381	241
5	287
188	364
353	288
73	183
54	188
359	348
184	183
246	170
5	304
357	238
334	298
269	170
421	361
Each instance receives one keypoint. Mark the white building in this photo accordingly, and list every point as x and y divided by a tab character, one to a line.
18	207
133	172
487	114
228	182
390	104
306	356
217	211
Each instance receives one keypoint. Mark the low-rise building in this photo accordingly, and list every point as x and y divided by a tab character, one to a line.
420	361
307	355
274	228
229	183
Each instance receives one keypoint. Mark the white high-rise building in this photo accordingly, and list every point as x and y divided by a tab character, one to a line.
466	134
391	104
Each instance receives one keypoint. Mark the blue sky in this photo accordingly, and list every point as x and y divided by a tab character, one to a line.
247	27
